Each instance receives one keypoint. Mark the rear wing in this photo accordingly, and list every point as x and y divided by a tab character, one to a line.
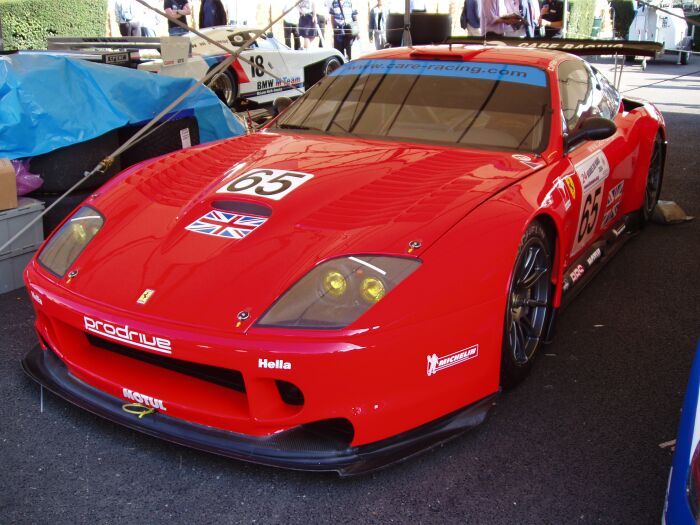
172	49
578	47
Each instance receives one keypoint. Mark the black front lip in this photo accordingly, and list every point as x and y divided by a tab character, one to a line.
292	449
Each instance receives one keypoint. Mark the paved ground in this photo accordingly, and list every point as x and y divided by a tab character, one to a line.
576	443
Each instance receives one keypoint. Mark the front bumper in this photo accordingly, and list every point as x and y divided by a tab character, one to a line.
299	448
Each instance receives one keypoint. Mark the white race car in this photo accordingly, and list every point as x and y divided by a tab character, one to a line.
276	70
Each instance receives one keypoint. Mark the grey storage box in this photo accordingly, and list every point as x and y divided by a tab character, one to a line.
14	258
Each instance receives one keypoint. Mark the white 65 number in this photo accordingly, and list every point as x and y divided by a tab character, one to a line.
268	183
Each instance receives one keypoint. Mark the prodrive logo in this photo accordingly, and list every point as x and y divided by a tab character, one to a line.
124	334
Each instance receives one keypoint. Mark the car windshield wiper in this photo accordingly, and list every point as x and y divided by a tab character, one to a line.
294	126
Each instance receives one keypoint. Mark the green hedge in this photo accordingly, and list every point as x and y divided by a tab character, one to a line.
27	23
581	18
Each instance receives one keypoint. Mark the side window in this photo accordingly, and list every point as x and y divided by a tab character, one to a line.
576	92
608	102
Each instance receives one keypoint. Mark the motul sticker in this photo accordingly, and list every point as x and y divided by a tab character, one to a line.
436	364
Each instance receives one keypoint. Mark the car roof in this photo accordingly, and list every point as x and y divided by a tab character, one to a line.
540	58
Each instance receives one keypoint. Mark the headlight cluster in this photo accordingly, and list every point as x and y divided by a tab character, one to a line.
337	292
66	244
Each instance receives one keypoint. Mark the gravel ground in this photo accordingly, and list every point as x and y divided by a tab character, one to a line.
578	442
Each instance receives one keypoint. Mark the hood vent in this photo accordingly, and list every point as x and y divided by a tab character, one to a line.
243	207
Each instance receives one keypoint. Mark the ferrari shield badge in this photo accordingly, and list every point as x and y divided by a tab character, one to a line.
145	296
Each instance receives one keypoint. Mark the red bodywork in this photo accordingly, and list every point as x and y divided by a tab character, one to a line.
468	209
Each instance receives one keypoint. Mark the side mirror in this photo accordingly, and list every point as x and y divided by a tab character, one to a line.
280	104
593	128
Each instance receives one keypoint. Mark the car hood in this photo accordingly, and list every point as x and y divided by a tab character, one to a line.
364	197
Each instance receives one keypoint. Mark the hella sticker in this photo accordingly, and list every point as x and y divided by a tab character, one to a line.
436	364
276	364
126	335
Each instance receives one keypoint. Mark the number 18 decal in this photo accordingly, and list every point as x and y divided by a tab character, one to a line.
268	183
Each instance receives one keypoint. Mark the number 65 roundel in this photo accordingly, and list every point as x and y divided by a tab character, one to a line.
267	183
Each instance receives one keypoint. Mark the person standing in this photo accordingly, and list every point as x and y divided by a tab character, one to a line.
321	19
498	17
307	21
212	13
149	20
291	25
529	14
125	12
343	18
552	18
377	25
177	10
471	17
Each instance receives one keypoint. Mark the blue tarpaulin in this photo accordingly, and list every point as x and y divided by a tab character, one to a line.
47	102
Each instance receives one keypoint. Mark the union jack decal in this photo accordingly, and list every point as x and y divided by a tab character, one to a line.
228	225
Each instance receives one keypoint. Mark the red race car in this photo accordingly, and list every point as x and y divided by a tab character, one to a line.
357	281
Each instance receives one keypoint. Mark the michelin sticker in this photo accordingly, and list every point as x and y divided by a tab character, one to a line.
435	363
591	172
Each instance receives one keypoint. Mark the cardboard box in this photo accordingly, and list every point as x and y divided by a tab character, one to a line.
8	185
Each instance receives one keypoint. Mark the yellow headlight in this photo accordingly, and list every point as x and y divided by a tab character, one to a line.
334	283
372	289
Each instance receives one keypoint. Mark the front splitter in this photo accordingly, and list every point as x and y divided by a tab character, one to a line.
297	448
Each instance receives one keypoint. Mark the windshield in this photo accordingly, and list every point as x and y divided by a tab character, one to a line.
471	104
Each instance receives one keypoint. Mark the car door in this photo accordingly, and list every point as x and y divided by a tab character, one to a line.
596	180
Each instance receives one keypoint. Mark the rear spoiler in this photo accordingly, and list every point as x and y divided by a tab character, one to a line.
580	47
172	49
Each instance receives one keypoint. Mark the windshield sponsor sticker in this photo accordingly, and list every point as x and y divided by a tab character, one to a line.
436	364
444	68
126	335
227	225
268	183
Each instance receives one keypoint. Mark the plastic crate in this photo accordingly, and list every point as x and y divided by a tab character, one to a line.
12	266
12	221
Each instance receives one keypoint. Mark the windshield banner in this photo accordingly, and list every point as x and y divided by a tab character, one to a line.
442	68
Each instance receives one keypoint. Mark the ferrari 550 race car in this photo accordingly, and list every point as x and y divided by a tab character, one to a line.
276	69
358	280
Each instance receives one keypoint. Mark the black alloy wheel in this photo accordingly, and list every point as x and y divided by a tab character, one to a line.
654	178
529	305
225	87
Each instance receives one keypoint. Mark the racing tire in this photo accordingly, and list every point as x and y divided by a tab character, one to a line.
330	65
225	86
528	305
652	187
